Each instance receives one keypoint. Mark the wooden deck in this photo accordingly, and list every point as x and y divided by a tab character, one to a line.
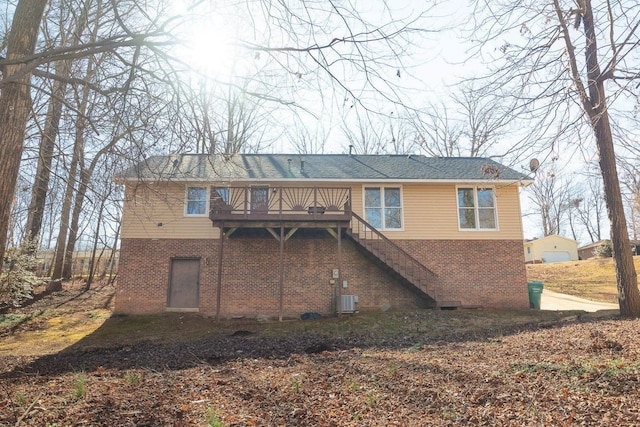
262	206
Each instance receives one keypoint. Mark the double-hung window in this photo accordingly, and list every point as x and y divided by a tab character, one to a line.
383	207
196	203
477	208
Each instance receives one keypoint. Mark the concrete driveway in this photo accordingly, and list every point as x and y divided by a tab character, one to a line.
559	302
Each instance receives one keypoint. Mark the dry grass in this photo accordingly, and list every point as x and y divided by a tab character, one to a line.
81	320
594	279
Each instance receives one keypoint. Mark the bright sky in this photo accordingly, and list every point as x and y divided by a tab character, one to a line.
432	63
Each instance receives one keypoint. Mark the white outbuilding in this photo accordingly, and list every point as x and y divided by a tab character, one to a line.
550	249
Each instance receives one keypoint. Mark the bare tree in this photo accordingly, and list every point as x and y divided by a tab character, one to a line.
572	206
15	101
551	201
437	133
486	118
379	134
591	210
83	109
307	138
562	59
364	134
297	42
52	119
245	125
631	181
104	198
22	61
470	124
400	134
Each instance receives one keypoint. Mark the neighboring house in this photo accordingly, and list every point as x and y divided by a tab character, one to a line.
44	259
280	235
550	249
106	262
82	262
591	250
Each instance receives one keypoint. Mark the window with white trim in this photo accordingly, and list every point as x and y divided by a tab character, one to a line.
477	208
383	207
196	203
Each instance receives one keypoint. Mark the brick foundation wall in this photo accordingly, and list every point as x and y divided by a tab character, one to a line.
485	273
251	277
473	273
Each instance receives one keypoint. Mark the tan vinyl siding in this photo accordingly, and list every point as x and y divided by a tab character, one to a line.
430	212
146	206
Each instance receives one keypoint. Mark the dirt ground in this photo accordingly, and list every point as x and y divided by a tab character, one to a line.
64	361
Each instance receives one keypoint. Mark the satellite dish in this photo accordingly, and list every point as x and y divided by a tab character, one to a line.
534	164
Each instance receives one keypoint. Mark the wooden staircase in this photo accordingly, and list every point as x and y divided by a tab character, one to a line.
392	256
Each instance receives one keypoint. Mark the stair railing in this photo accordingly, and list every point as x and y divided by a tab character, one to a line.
393	255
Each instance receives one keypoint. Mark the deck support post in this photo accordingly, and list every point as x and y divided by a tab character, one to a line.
339	280
281	271
219	290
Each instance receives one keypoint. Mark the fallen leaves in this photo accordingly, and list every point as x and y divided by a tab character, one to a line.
565	373
474	382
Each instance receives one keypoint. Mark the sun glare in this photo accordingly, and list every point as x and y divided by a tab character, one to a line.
211	48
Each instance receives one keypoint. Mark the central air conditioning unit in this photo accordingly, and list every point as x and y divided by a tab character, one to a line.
348	303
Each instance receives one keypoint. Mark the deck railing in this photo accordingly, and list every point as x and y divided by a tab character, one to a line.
262	202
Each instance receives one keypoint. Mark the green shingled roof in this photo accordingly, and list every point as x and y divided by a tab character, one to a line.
319	167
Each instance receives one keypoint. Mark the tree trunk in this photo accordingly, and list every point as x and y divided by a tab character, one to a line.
58	264
571	226
64	253
50	132
626	276
85	175
45	154
92	264
55	284
15	104
51	220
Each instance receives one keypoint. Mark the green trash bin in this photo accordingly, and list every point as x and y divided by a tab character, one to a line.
535	294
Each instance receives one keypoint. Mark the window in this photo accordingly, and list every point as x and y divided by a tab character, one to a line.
220	200
223	193
220	195
196	201
259	199
476	209
383	207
